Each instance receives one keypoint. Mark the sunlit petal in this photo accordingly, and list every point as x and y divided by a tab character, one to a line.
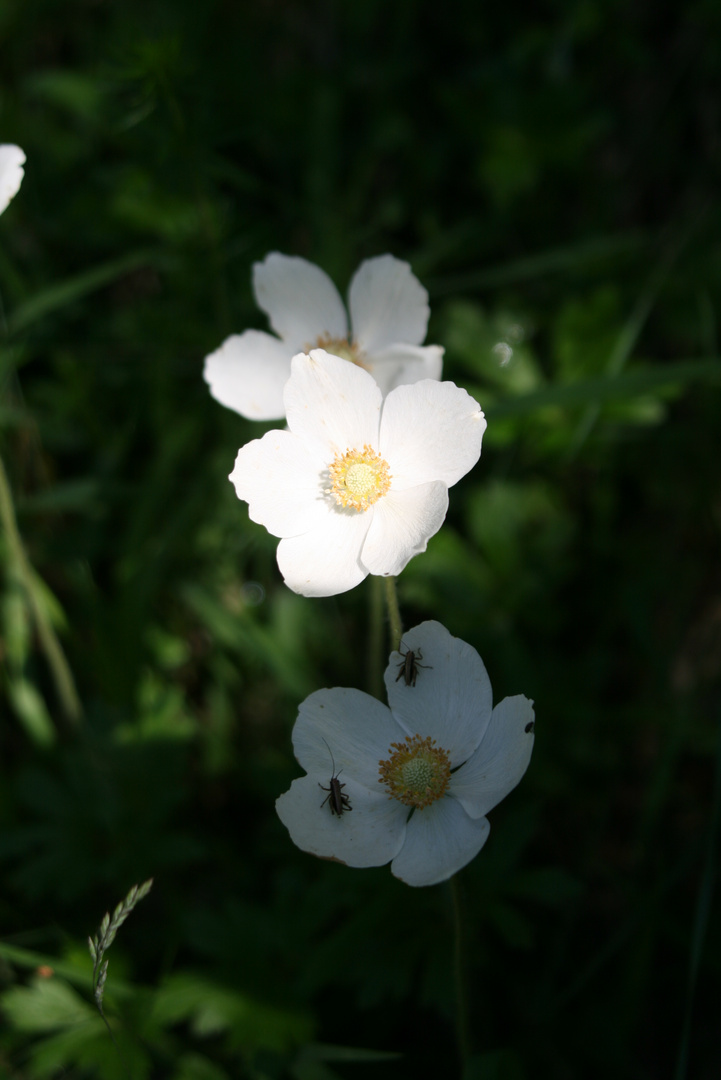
300	300
12	160
388	304
247	374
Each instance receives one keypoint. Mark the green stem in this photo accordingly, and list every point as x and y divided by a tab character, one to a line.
394	613
463	1035
376	649
64	683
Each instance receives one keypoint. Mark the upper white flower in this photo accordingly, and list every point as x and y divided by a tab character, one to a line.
419	777
388	321
12	160
359	483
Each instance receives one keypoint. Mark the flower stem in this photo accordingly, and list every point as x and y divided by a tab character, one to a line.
463	1034
394	613
376	650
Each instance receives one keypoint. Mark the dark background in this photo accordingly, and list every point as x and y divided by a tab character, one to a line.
551	173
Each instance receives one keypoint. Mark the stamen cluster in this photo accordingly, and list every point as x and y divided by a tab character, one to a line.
359	478
343	347
417	773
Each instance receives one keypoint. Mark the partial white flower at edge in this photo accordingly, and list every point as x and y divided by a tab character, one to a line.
418	777
388	321
12	160
357	484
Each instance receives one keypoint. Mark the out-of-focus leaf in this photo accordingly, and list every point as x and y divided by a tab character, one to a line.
492	347
197	1067
241	633
77	93
75	967
31	711
46	1004
88	1047
212	1009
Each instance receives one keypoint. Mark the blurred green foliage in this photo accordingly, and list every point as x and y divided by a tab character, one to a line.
551	174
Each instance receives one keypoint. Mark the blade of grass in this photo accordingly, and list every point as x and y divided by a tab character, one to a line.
573	257
629	384
62	676
631	330
75	288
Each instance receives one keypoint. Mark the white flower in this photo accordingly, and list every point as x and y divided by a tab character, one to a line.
11	172
358	484
419	777
388	316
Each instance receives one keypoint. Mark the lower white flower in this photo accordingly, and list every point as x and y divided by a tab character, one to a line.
388	320
12	160
416	779
359	483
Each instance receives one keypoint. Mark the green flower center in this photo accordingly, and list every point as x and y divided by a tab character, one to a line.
417	773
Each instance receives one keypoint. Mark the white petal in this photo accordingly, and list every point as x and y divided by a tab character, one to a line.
368	835
500	761
12	160
398	365
431	431
326	560
247	374
440	840
345	731
281	483
332	404
388	304
452	700
300	300
403	522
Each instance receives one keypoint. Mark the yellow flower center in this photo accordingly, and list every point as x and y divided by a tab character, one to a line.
417	773
347	350
359	478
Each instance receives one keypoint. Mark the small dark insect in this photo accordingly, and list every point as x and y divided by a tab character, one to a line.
530	726
409	665
339	802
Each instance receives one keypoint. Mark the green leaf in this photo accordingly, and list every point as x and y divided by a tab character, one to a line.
31	711
212	1009
197	1067
46	1004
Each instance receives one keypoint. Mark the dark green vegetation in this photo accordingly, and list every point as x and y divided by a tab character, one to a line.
552	179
